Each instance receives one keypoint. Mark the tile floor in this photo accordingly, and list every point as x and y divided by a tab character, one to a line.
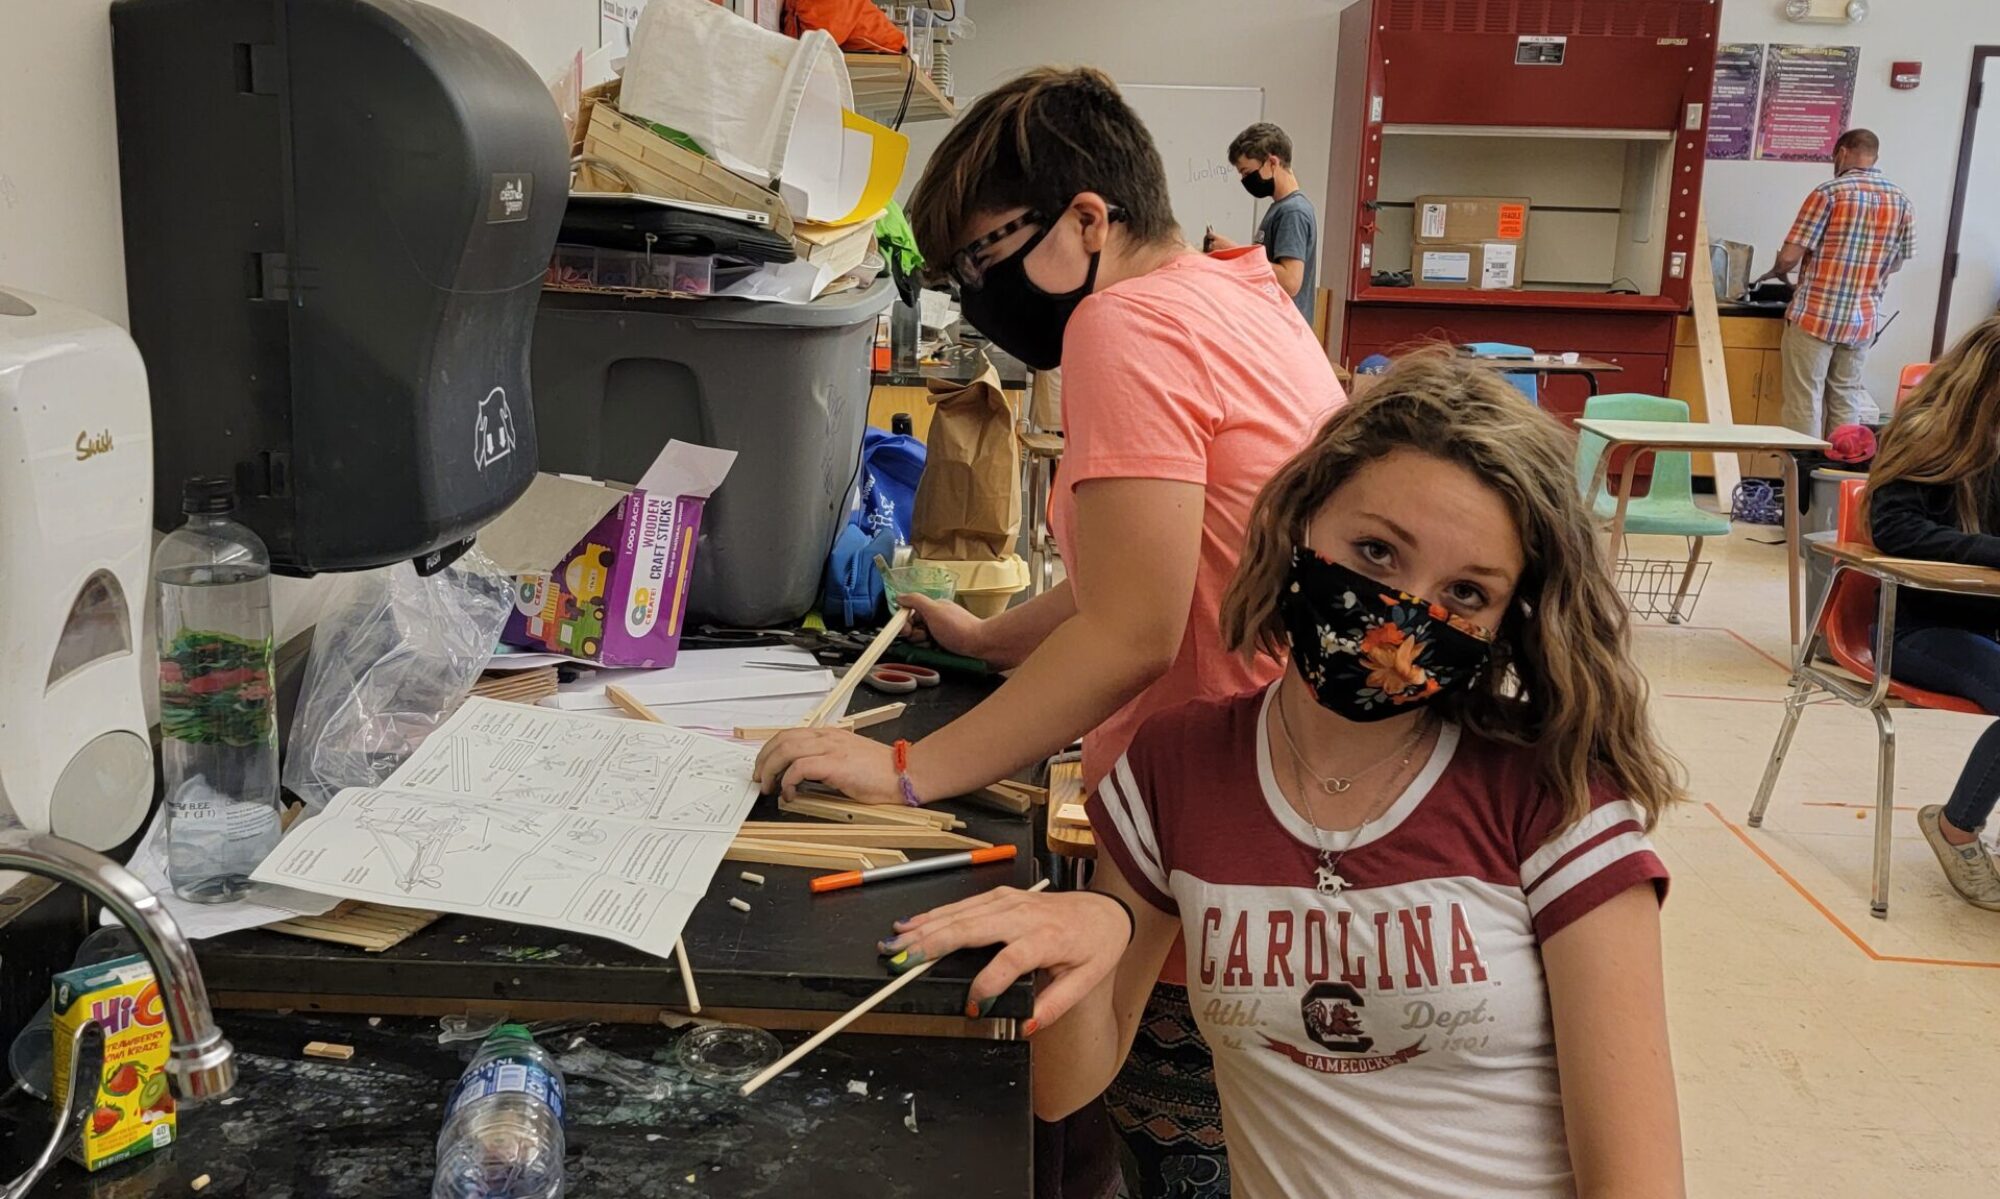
1821	1052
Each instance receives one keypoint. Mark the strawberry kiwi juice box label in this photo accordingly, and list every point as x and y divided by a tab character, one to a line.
133	1111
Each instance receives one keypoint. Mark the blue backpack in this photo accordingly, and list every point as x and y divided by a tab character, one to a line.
853	594
891	464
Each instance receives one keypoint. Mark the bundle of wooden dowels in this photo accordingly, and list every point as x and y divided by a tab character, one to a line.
857	836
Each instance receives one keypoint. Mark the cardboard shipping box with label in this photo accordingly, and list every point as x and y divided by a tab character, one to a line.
1470	266
1461	219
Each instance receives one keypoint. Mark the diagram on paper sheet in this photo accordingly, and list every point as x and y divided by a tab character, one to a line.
573	821
581	763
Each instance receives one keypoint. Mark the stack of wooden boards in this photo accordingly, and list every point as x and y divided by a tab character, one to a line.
529	686
368	926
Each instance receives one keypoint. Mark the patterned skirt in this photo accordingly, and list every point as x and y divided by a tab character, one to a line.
1165	1107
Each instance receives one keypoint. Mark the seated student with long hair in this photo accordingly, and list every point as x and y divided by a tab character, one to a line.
1934	493
1414	878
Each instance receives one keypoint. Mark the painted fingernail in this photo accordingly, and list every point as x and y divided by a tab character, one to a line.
971	1010
906	959
905	922
1029	1029
891	945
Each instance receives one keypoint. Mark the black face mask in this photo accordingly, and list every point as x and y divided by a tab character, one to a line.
1020	317
1259	186
1369	651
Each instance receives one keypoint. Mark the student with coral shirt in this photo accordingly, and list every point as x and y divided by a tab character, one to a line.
1188	380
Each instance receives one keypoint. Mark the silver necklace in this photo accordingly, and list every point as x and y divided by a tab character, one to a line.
1328	880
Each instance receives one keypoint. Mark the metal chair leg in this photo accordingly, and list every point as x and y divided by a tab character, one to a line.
1795	706
1687	580
1885	810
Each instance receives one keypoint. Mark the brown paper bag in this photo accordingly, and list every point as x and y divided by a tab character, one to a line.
968	505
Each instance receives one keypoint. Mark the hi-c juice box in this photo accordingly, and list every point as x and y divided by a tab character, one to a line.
133	1111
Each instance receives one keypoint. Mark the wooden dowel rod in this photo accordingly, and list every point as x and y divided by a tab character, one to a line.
836	699
687	975
863	1008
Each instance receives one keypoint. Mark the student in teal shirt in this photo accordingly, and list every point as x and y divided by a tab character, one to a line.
1262	155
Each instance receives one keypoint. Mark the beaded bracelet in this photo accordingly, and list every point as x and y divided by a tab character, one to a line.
909	792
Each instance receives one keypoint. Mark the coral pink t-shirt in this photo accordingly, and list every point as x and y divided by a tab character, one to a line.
1202	371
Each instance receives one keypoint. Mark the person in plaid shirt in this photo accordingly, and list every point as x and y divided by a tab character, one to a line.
1854	231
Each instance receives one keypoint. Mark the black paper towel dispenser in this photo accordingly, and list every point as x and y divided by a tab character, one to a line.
337	218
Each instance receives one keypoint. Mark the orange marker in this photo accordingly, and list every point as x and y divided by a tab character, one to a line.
949	861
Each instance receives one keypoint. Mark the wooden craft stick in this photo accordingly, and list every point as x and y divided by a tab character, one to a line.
864	1007
835	702
630	704
329	1051
687	975
887	836
785	855
859	720
1011	802
874	716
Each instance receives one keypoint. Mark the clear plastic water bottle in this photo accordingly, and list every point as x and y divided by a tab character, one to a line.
503	1131
218	707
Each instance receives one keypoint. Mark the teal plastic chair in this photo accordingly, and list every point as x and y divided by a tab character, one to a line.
1668	508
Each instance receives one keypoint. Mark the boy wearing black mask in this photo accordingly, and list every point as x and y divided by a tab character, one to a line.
1289	233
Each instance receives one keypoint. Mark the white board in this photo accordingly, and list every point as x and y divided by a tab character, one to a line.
1193	127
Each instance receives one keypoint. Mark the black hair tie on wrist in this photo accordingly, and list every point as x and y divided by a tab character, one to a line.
1131	921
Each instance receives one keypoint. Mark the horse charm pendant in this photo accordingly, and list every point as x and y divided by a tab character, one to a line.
1329	880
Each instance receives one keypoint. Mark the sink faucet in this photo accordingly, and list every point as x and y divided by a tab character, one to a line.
198	1058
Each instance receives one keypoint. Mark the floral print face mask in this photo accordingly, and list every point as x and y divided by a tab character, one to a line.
1368	651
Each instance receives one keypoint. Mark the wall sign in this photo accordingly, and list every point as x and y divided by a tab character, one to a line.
1808	95
1540	51
1732	116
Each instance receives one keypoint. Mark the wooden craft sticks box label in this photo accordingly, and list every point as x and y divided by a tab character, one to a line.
1473	266
616	596
1462	219
132	1107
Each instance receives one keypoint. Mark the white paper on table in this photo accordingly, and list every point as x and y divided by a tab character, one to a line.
752	685
265	904
703	676
599	825
724	719
503	662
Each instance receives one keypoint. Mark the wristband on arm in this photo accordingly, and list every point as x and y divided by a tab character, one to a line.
1131	921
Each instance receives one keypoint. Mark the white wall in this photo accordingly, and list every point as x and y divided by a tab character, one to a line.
59	219
1755	201
1285	47
60	230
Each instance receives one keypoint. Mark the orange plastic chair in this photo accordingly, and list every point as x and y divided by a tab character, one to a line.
1850	625
1856	623
1913	374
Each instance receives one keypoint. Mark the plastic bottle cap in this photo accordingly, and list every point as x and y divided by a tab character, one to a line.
208	495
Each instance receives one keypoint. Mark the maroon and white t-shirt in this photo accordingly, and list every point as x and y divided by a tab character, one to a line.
1394	1039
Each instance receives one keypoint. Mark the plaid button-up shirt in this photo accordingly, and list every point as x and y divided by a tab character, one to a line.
1859	227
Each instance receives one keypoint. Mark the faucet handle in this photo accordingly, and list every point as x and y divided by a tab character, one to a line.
86	1067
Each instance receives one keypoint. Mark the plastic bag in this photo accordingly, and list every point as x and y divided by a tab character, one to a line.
389	664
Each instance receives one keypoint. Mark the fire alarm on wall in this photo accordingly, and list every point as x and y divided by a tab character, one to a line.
1905	76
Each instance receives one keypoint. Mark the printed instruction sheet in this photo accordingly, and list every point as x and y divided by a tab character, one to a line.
595	824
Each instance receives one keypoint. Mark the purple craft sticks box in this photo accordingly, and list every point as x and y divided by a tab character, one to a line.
619	595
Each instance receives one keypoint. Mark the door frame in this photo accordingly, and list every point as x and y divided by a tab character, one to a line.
1966	143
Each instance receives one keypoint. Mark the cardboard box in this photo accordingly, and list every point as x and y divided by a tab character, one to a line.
1461	219
1469	266
132	1106
618	595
